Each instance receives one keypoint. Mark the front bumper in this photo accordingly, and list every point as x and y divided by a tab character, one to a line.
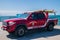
4	28
8	28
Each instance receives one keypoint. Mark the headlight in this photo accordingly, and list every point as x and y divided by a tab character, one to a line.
11	23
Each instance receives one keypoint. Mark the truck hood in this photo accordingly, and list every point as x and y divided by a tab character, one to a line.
14	19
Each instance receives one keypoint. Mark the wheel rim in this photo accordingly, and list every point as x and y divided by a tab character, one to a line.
21	32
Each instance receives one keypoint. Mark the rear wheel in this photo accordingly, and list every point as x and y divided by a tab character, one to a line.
50	27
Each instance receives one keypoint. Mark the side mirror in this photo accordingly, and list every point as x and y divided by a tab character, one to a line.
30	18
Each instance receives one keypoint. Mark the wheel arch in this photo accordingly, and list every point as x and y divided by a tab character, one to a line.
21	25
50	22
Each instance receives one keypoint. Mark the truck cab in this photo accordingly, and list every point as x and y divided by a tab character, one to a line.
29	20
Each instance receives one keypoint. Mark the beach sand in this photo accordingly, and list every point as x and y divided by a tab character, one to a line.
53	35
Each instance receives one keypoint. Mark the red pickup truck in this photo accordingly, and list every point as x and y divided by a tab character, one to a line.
29	20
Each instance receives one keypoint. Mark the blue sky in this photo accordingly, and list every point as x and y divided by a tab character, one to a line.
12	7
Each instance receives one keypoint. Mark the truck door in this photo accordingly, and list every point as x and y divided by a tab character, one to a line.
33	21
41	19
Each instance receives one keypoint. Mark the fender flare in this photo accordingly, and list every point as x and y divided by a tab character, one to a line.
50	22
24	26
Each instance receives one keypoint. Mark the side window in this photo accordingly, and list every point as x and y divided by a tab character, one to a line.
41	15
34	16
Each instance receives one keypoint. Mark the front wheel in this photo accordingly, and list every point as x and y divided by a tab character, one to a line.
50	27
20	31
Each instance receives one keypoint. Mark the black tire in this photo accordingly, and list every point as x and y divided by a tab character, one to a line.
20	31
50	27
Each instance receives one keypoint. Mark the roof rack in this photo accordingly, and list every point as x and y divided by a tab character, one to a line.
45	10
49	11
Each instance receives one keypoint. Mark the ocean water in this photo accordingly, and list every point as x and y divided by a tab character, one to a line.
6	17
9	17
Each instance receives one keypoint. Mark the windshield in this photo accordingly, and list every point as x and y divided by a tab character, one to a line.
25	15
